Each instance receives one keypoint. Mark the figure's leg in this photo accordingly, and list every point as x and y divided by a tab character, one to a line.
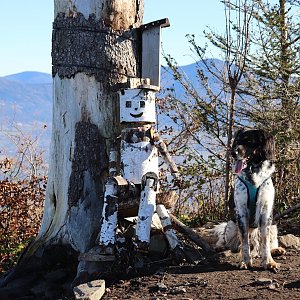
170	232
146	210
107	237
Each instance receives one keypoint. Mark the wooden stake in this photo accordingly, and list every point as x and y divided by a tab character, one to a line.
191	234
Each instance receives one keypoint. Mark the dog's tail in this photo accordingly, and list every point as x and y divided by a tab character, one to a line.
219	231
228	238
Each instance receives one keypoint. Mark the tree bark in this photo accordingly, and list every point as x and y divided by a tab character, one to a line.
229	205
95	47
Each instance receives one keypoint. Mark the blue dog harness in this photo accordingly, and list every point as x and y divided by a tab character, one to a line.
252	192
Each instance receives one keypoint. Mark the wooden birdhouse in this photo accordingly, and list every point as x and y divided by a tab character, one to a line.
151	48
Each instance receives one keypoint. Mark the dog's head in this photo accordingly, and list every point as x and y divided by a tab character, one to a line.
252	147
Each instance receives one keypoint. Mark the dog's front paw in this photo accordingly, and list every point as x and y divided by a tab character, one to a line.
271	266
245	265
278	251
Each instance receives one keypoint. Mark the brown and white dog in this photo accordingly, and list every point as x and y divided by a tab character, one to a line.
253	154
227	235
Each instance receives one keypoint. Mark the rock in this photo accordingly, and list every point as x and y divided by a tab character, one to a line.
263	281
289	241
158	245
161	287
274	286
226	253
202	283
178	290
93	290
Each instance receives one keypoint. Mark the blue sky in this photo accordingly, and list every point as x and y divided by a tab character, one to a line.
25	30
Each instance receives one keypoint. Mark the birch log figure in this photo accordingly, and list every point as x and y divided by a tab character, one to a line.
94	47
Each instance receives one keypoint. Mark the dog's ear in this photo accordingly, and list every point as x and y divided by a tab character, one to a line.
268	148
237	133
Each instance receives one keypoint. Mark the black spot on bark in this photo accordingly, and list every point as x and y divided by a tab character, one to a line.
111	208
54	200
89	155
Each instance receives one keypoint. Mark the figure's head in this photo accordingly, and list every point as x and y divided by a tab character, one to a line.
137	106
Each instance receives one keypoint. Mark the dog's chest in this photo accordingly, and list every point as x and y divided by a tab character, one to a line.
245	196
252	192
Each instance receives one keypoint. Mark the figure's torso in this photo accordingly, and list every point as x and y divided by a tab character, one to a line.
138	153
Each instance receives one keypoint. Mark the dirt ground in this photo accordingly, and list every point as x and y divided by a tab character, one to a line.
214	277
221	280
202	276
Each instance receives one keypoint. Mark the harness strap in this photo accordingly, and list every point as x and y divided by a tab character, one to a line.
252	192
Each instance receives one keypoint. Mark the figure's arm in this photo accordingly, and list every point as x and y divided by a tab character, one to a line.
162	148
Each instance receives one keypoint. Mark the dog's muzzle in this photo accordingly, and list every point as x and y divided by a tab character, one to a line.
239	165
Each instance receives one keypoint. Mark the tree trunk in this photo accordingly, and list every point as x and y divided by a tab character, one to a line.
284	46
236	55
93	50
95	46
229	205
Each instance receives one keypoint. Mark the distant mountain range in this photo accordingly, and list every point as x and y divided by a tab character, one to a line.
26	103
26	97
25	110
